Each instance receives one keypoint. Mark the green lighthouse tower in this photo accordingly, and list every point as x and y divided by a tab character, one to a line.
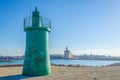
36	61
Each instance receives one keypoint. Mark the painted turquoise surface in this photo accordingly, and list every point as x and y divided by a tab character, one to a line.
36	61
36	56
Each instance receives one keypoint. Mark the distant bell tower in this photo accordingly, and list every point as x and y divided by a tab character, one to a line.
66	48
67	54
36	60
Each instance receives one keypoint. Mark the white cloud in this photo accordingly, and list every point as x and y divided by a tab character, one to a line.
111	52
53	51
11	52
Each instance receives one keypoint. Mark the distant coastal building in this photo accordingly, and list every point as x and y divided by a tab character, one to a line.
68	54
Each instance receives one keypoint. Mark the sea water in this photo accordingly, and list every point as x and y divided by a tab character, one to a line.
66	62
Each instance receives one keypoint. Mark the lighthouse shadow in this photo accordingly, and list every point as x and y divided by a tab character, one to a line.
15	77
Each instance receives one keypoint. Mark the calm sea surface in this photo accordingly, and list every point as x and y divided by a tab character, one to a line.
81	62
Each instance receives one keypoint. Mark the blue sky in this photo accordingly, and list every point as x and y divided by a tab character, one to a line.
85	26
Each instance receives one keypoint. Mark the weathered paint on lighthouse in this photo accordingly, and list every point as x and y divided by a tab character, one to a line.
36	61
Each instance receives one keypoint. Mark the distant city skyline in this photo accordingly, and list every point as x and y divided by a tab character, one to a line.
85	26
